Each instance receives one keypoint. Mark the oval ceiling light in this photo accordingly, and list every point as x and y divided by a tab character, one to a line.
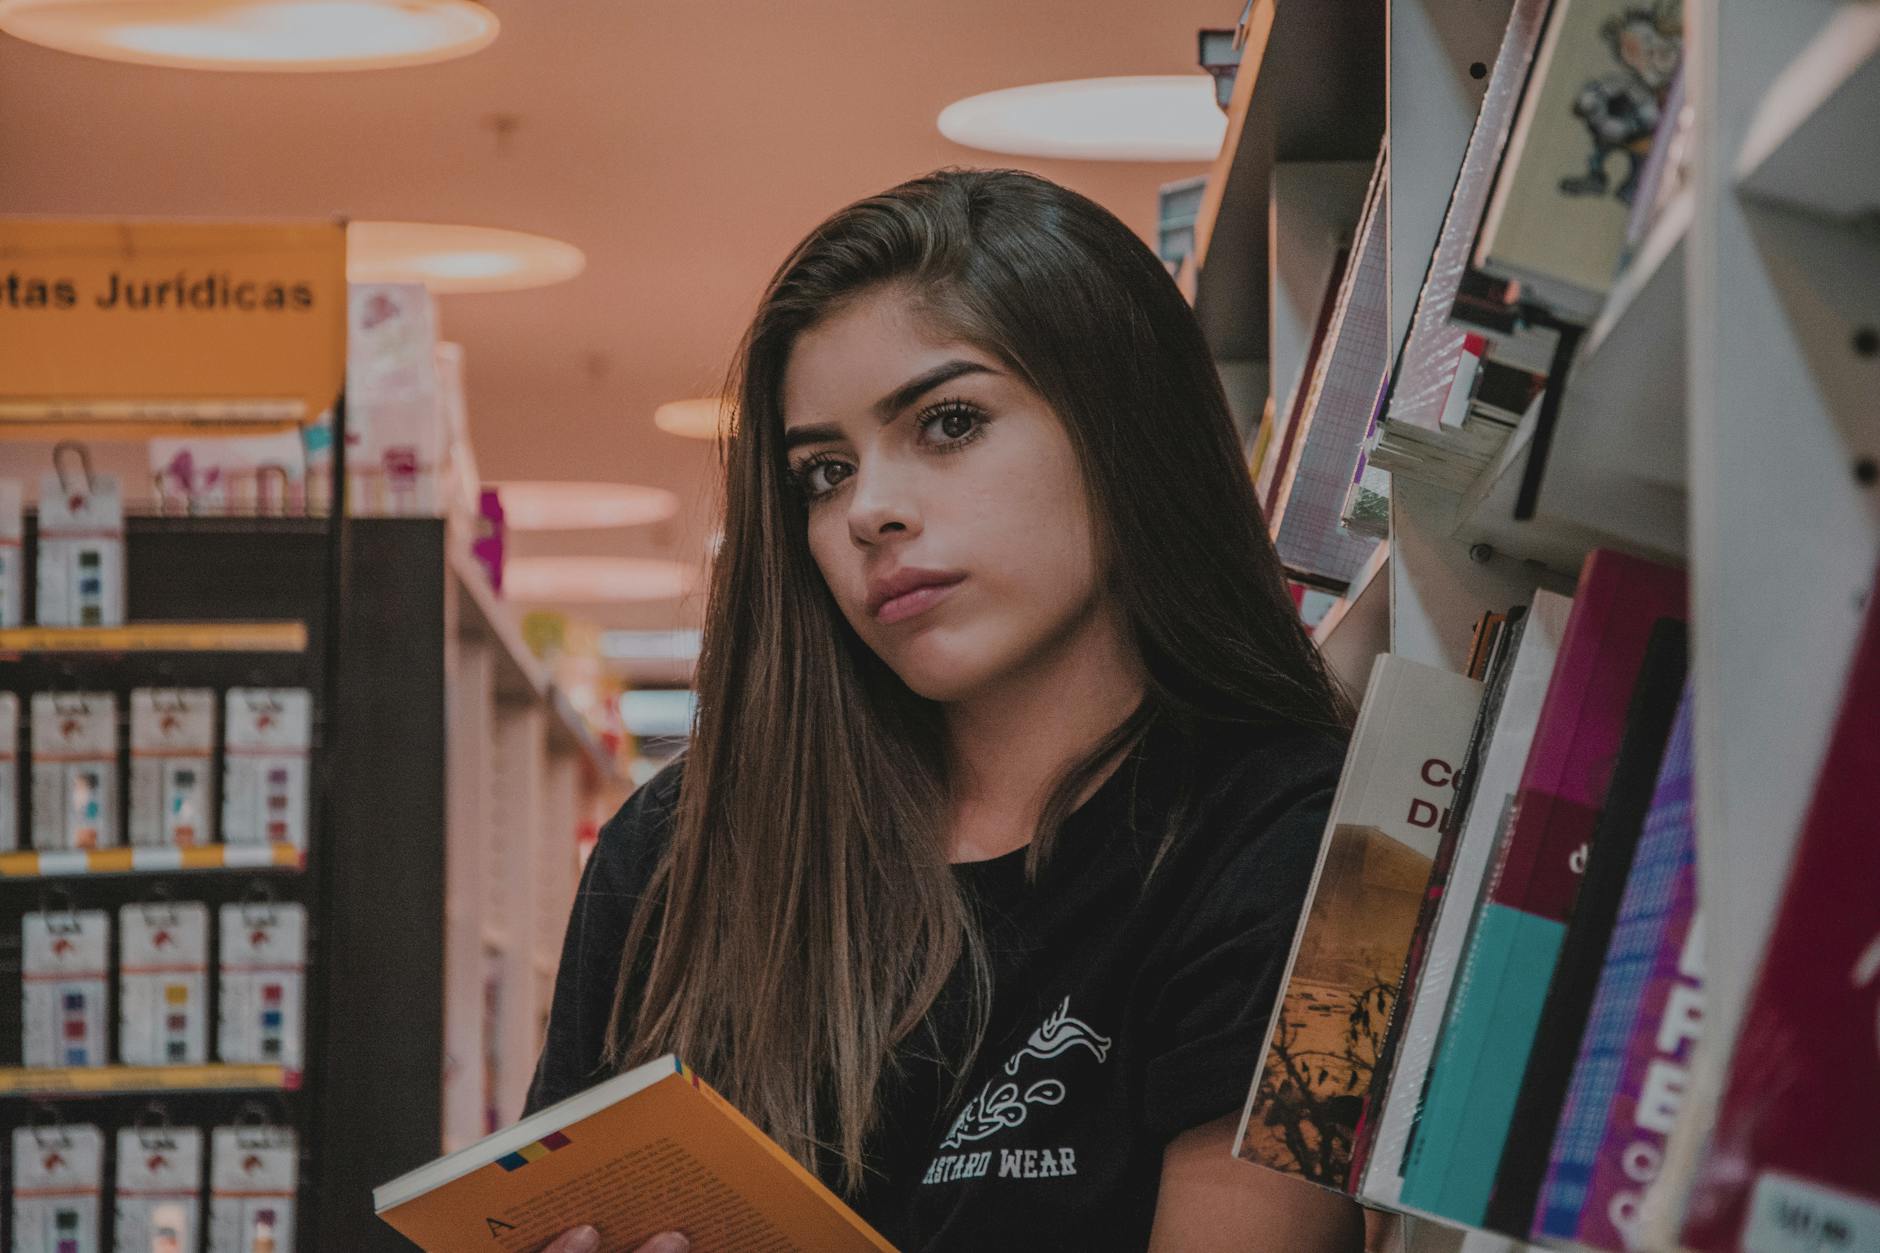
552	506
704	417
594	580
1171	117
308	35
451	259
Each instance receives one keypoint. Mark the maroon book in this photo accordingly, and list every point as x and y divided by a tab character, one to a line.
1794	1160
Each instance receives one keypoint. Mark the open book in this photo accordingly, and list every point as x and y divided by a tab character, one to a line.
647	1151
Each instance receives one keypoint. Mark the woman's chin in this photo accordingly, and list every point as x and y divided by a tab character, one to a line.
944	671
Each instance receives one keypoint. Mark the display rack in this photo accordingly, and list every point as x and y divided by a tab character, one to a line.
217	603
1718	415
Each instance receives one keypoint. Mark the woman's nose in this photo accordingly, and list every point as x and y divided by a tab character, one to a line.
882	504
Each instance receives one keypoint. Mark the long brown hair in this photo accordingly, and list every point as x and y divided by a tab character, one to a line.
805	918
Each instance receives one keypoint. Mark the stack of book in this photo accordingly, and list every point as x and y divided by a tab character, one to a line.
1497	983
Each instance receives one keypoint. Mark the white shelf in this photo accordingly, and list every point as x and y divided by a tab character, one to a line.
1349	604
1814	141
1646	303
1616	470
1310	88
1357	627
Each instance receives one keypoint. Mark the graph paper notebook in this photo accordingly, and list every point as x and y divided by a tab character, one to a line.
647	1151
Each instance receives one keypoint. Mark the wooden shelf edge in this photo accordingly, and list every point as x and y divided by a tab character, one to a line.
65	863
159	637
1246	80
35	1081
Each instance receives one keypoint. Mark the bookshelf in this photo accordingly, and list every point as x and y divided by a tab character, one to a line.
1718	414
1308	89
523	774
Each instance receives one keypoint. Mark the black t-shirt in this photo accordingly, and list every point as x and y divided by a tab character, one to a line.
1126	1007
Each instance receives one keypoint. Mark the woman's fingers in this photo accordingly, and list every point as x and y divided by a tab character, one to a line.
580	1240
588	1240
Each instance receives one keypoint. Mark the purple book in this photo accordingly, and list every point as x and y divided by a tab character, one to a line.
1644	1023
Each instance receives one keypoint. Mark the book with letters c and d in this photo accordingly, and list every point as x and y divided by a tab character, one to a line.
650	1150
1328	1028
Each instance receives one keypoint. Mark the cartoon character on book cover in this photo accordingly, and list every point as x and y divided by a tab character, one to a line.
1620	109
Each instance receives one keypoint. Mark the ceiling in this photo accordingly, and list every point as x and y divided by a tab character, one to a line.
684	145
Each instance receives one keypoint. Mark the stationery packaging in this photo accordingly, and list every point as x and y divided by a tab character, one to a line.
252	475
163	984
58	1172
264	953
12	554
81	550
395	416
487	546
9	772
74	770
264	794
254	1171
64	959
172	767
159	1190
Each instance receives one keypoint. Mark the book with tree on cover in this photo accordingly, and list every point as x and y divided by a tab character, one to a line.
1339	993
650	1150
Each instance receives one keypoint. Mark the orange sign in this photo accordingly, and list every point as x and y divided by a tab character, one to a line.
153	326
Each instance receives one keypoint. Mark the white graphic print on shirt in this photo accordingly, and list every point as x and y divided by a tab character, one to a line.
1000	1105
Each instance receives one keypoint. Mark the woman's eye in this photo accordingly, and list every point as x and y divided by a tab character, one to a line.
952	423
819	478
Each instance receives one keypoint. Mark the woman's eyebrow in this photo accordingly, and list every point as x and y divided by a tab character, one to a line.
912	390
889	405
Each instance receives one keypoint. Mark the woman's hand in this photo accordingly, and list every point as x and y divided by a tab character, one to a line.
588	1240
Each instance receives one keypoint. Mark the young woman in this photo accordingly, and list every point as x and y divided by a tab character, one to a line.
1012	758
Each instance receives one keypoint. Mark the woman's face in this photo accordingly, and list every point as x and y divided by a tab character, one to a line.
946	509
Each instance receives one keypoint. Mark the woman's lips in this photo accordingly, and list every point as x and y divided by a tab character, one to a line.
918	601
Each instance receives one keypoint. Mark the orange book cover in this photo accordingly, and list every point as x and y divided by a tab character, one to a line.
651	1150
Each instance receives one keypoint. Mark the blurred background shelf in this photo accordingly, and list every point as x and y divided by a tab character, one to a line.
36	1081
65	863
160	637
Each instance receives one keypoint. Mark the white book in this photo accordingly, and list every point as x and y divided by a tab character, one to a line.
1494	794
